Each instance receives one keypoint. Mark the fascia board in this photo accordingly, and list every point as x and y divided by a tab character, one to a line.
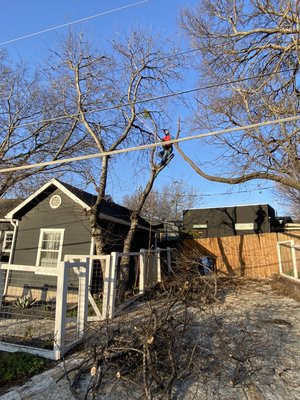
53	181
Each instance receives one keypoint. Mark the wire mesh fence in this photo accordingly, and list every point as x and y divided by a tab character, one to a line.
41	308
45	310
142	271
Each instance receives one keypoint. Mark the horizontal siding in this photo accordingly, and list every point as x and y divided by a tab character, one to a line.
69	216
248	255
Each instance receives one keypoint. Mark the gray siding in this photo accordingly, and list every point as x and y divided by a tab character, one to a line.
69	216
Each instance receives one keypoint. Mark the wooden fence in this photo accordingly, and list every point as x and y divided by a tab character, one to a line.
253	255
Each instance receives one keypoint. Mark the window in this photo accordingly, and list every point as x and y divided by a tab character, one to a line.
50	247
7	241
200	226
244	227
55	201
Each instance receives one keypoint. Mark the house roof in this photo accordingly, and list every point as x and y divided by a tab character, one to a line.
7	205
228	206
109	210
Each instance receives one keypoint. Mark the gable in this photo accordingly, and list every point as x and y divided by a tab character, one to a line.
41	194
109	210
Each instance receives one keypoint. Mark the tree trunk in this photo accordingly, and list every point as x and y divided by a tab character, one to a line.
124	264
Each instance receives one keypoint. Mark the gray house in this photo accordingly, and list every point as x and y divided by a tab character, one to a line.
7	228
53	222
230	221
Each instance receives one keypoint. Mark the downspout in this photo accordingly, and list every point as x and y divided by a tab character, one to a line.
15	224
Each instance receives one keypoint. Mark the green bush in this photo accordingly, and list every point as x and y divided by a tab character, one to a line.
17	366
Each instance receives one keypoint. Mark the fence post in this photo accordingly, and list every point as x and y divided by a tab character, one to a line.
2	279
106	284
169	261
60	312
294	260
113	286
83	287
142	257
110	281
279	258
158	264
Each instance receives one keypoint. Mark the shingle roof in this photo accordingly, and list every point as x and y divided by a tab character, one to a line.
108	208
7	205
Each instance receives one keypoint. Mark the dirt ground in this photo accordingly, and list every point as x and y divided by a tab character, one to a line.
247	347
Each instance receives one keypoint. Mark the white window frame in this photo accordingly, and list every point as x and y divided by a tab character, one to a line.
244	226
45	230
6	233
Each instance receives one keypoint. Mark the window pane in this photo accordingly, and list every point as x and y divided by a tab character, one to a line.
50	245
49	248
48	259
7	244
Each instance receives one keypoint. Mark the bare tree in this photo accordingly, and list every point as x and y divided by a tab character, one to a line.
166	204
254	46
290	198
30	132
104	94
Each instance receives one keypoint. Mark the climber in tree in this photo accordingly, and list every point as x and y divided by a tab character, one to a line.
167	151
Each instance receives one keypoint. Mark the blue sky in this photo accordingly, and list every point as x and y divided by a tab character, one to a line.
20	18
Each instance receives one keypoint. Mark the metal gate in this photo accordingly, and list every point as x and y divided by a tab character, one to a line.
289	259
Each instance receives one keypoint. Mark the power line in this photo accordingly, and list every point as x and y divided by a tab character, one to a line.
234	193
161	97
152	145
73	22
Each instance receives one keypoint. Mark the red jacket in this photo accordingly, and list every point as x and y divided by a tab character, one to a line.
166	138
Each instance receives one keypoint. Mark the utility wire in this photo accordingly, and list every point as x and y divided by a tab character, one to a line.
233	193
161	97
73	22
152	145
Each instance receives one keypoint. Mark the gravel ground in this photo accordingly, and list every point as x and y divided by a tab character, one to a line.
248	347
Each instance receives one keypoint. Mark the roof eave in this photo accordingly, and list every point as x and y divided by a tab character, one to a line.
59	185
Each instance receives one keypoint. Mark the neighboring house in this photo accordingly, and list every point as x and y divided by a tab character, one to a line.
7	228
166	231
53	222
229	221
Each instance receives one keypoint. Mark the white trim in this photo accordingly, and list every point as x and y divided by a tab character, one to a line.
68	193
53	200
44	230
40	190
15	224
49	271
